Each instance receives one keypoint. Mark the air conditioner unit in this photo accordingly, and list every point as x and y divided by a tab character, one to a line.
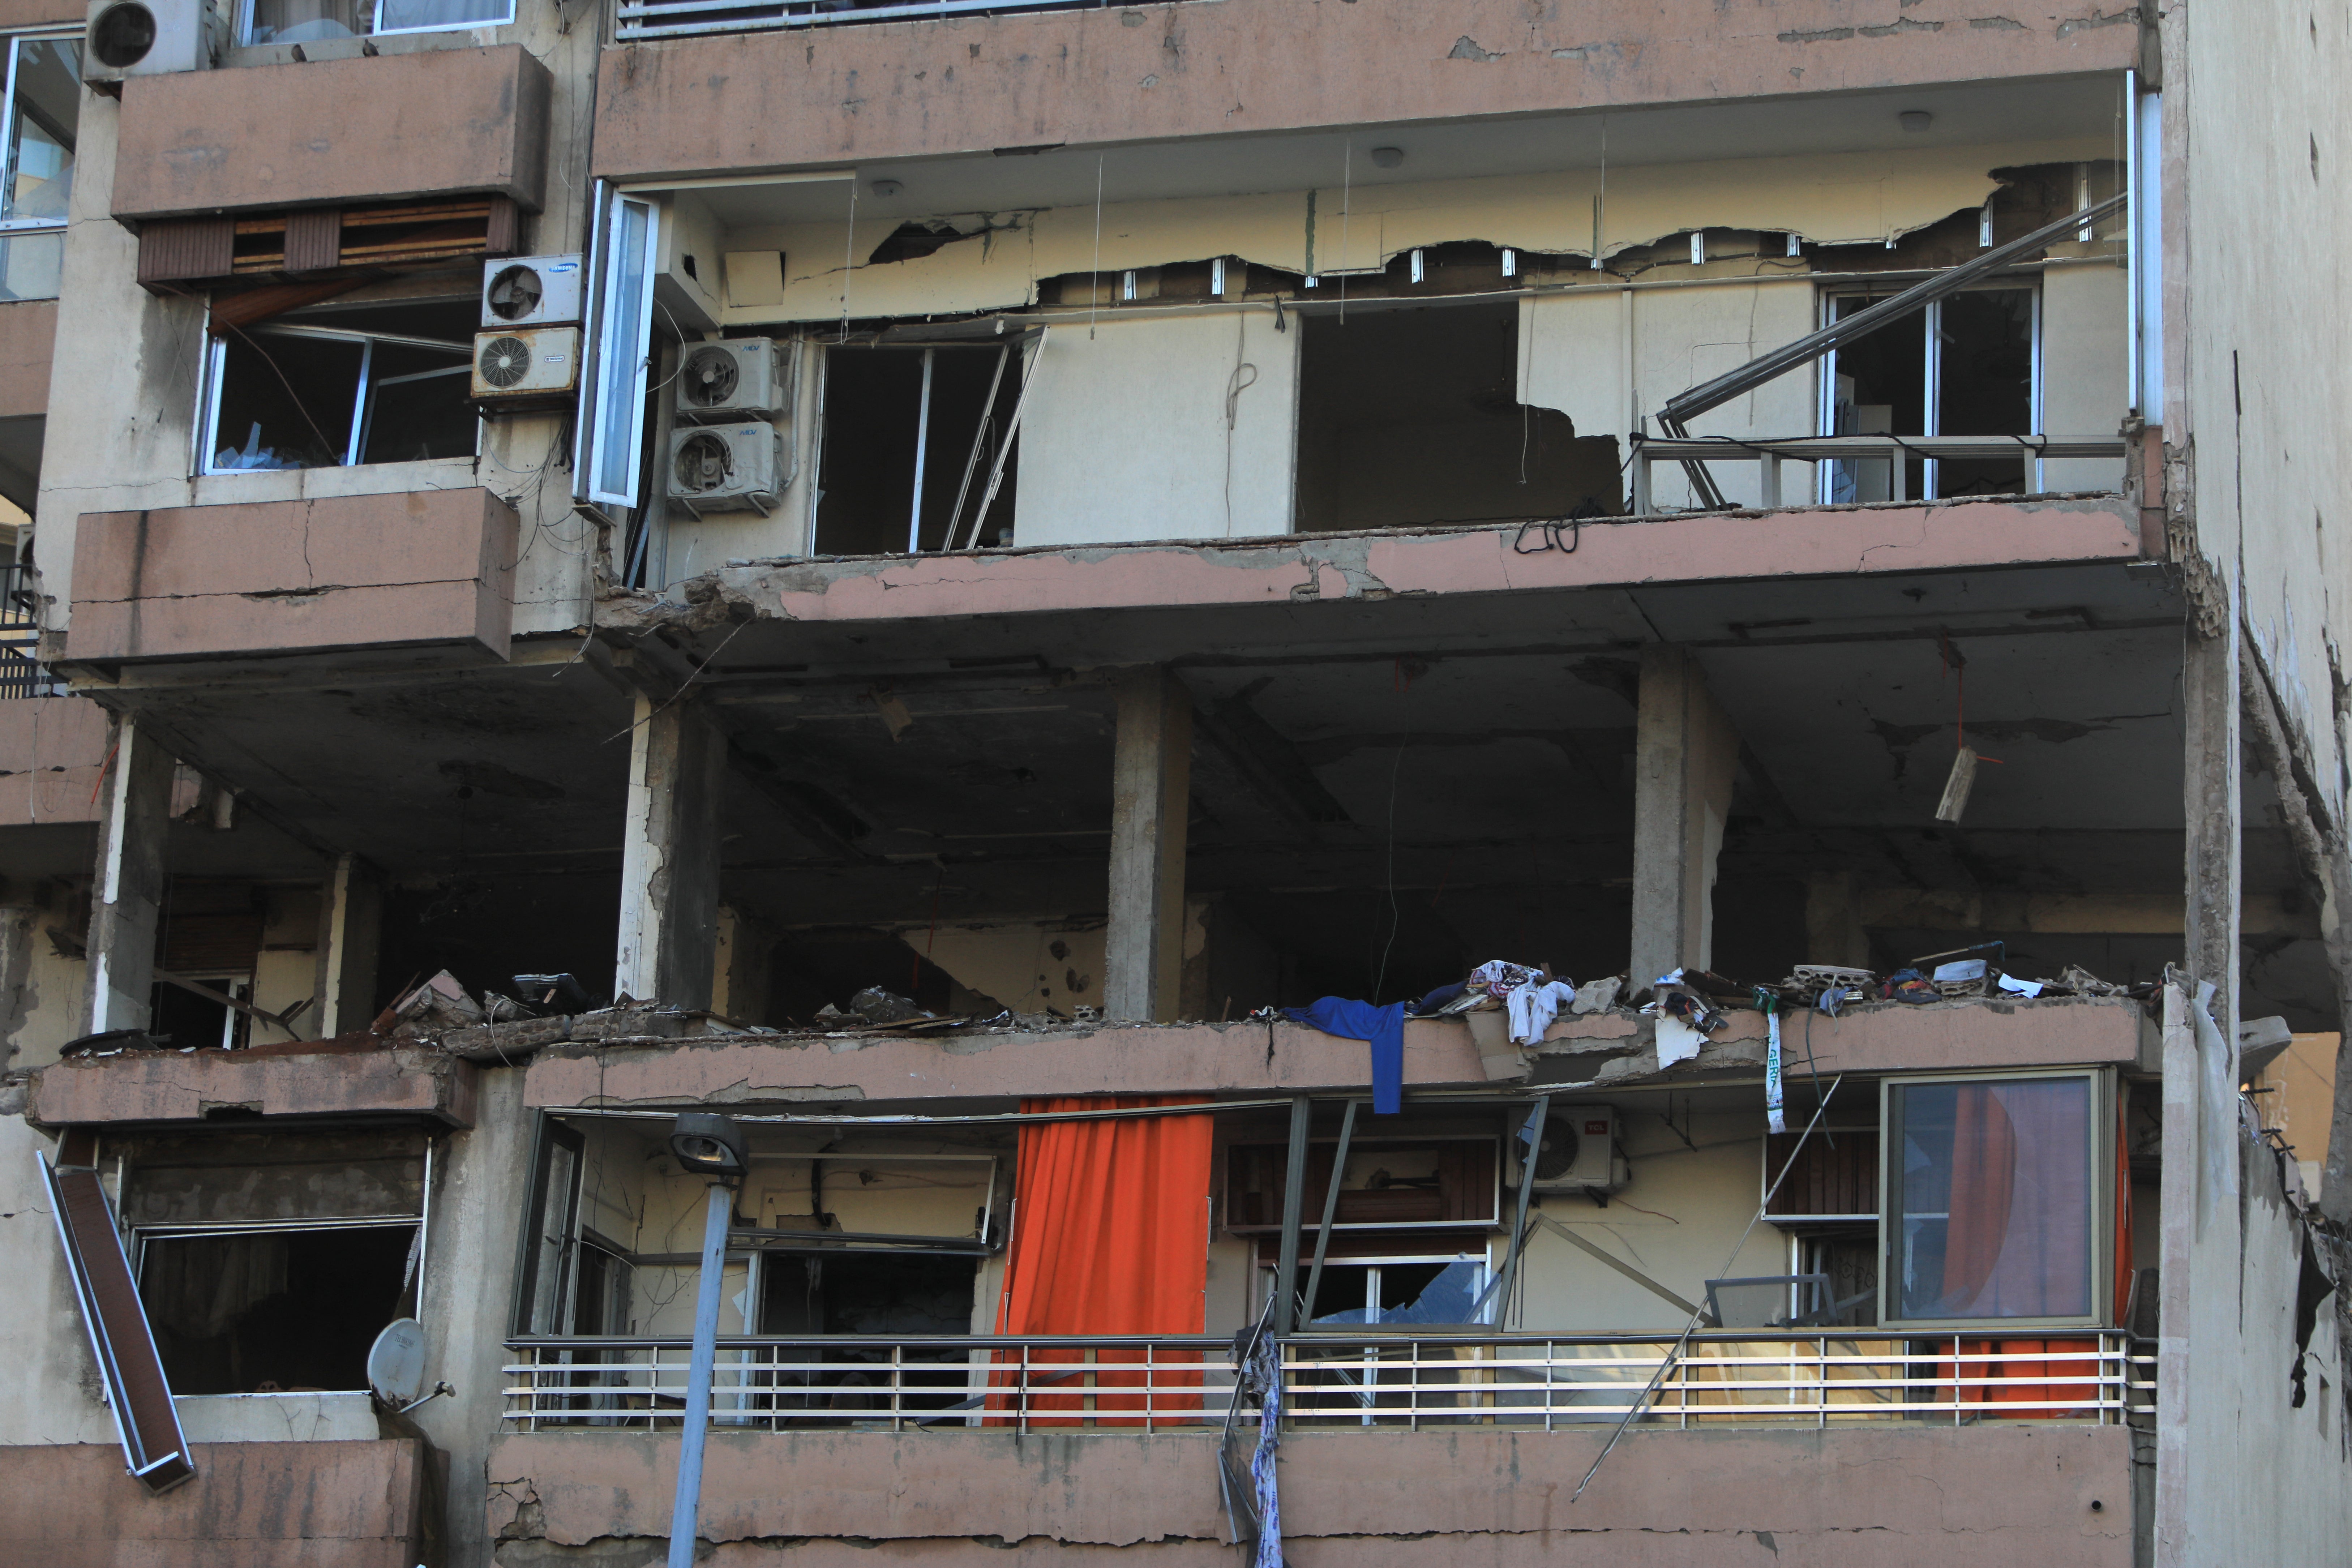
1578	1151
728	468
531	291
530	367
736	378
145	38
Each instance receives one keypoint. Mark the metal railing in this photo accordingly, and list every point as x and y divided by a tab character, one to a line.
21	674
1856	456
685	18
1754	1379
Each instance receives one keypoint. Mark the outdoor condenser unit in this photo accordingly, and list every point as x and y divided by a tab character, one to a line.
531	291
728	468
532	367
146	38
735	379
1578	1151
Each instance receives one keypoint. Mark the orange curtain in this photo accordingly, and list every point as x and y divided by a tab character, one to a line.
1110	1236
1984	1178
2036	1401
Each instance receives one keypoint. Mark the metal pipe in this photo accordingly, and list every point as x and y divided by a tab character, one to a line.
1331	1207
689	1501
922	454
1294	1201
1526	1191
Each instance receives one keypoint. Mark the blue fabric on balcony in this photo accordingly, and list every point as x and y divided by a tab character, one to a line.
1384	1027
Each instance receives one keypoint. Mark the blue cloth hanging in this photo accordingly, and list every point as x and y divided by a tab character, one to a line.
1382	1027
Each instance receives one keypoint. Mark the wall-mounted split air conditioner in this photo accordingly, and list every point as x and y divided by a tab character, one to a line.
1577	1152
146	38
735	379
728	468
528	368
531	291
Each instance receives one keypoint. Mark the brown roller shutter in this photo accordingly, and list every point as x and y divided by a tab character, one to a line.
314	239
212	945
182	248
504	235
152	1442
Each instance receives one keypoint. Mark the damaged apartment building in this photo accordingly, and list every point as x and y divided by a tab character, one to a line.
1332	781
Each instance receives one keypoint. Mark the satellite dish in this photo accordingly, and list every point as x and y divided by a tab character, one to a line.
395	1364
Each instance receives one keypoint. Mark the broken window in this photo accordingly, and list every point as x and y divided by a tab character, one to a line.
1416	1287
919	443
1997	1191
1411	415
270	1262
44	92
1965	365
312	21
384	383
610	435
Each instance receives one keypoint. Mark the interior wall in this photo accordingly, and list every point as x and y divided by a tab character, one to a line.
1177	427
1675	1221
1030	968
2085	339
1611	358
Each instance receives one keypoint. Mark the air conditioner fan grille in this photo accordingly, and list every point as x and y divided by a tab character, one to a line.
504	362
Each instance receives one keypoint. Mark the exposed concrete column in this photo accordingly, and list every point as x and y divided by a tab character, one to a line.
2211	775
1686	756
1834	932
1151	801
351	928
670	857
740	963
126	899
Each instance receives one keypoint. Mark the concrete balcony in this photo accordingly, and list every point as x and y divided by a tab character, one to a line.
397	127
967	84
156	1087
416	570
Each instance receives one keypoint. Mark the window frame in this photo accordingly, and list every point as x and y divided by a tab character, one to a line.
1268	1267
615	321
1928	320
215	366
552	1135
246	40
14	225
2100	1150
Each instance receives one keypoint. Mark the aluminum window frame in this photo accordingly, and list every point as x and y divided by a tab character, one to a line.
215	366
1930	320
2100	1149
602	451
11	226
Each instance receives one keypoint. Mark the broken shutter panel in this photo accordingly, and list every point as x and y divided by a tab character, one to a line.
185	249
314	239
153	1443
504	236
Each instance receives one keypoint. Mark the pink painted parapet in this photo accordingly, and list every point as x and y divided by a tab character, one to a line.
350	1504
409	569
399	127
1812	541
51	749
1844	1496
1249	1059
187	1086
1125	74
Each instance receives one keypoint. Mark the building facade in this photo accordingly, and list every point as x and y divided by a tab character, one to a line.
981	591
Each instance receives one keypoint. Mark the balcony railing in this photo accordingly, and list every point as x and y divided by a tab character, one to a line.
21	674
1751	1378
1853	455
684	18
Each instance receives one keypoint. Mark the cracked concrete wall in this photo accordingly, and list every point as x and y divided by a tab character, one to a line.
123	397
1148	72
1844	1496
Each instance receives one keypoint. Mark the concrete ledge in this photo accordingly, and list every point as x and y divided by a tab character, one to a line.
1814	542
51	750
1242	66
28	336
177	1086
399	127
1847	1495
1250	1059
251	1505
411	569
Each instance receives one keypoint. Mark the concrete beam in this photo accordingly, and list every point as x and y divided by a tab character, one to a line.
350	927
670	857
1686	756
128	896
1152	800
2066	914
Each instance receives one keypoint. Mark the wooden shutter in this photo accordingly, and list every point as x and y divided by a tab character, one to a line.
314	239
152	1442
185	249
